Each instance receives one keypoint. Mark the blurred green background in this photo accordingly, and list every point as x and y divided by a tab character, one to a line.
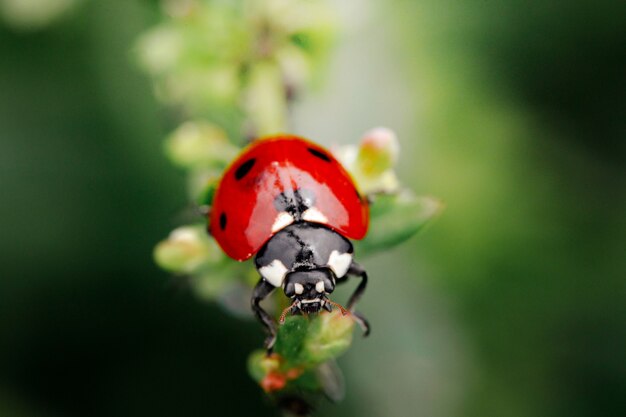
513	303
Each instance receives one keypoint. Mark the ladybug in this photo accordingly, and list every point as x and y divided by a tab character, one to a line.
293	206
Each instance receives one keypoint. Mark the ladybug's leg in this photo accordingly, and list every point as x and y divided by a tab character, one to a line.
358	270
362	322
262	290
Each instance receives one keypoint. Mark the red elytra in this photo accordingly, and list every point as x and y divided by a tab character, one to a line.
243	212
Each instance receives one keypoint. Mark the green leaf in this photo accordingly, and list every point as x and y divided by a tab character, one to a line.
329	335
395	218
303	344
290	338
308	341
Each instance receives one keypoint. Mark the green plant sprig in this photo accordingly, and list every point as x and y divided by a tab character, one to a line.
232	68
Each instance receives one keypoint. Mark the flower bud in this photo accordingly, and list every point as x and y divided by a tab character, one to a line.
265	99
378	152
371	163
187	250
295	65
180	8
200	144
34	14
257	366
160	49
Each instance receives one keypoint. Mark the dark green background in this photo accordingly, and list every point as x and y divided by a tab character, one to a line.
519	128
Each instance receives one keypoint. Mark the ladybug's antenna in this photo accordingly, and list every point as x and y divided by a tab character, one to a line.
339	306
285	311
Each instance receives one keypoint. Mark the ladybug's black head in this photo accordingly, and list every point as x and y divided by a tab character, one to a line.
309	289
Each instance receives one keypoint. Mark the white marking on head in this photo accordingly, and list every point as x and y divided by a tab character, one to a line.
319	286
299	288
339	263
314	215
274	273
283	220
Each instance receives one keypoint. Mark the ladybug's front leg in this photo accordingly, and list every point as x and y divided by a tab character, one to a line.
358	270
261	291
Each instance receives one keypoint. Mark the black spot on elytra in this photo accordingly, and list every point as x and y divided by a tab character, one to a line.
321	155
223	221
244	168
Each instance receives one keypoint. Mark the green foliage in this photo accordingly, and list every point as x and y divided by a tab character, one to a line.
223	58
306	341
395	218
303	344
232	69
